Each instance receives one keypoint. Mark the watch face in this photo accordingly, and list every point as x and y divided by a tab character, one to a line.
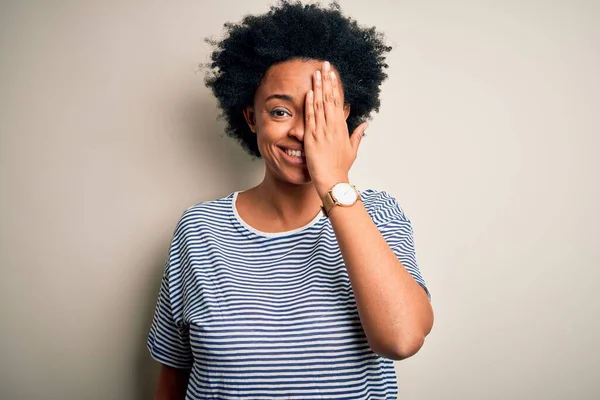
344	193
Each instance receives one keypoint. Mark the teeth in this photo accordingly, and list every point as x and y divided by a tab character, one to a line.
295	153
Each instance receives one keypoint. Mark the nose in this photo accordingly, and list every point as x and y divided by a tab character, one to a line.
297	128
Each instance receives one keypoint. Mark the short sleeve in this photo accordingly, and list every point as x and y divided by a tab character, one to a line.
397	231
169	341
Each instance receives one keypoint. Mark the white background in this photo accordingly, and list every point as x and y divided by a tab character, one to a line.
488	135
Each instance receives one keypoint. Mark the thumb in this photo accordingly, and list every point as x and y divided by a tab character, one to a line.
358	134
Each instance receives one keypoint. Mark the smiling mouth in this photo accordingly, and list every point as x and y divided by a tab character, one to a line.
294	156
294	153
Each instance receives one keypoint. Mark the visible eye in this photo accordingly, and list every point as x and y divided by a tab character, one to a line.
279	113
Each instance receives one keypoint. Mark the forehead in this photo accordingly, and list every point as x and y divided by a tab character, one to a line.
293	77
292	70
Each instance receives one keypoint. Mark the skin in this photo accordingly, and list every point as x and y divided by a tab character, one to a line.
300	105
172	383
287	197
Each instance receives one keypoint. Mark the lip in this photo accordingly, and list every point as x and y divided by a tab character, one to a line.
291	148
291	159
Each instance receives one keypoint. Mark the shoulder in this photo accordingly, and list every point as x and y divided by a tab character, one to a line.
220	205
381	205
211	213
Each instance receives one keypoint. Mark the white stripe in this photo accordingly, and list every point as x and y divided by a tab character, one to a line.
267	316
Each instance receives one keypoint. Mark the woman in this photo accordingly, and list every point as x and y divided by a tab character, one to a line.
300	287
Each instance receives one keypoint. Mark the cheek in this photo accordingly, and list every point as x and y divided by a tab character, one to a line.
270	131
267	134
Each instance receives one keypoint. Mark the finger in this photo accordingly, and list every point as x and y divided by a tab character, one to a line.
328	104
358	134
309	114
318	103
337	99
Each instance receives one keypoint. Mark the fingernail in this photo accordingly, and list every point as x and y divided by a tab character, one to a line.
318	75
326	66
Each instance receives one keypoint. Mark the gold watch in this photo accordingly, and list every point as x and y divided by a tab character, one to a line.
341	194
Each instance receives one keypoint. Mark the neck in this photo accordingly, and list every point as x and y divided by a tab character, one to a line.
287	201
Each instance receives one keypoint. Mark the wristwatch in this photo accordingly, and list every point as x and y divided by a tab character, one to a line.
341	194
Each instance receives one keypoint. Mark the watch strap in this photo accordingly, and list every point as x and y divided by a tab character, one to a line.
328	203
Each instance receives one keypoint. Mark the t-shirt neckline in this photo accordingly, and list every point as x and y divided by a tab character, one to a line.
257	232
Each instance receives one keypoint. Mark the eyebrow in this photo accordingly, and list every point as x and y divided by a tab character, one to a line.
285	97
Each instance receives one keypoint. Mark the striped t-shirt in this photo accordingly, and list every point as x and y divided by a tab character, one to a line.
258	315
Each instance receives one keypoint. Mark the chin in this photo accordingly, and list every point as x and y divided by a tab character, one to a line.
297	180
292	174
296	177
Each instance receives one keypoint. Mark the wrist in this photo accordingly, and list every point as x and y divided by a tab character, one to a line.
325	186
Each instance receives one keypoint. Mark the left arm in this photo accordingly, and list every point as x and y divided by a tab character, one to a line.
394	310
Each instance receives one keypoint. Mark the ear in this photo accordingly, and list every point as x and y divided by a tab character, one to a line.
250	117
346	111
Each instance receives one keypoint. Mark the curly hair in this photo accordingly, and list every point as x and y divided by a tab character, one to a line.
289	31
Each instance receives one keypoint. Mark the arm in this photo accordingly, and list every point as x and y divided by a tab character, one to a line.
172	383
168	340
394	310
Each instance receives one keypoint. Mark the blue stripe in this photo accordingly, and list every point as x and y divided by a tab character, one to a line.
268	316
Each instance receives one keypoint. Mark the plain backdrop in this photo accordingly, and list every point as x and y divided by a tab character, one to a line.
488	135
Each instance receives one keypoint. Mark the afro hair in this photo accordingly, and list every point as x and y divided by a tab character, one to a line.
289	31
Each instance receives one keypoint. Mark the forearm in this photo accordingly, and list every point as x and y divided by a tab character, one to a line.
394	310
172	383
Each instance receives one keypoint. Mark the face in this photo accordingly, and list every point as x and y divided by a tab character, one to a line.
277	118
